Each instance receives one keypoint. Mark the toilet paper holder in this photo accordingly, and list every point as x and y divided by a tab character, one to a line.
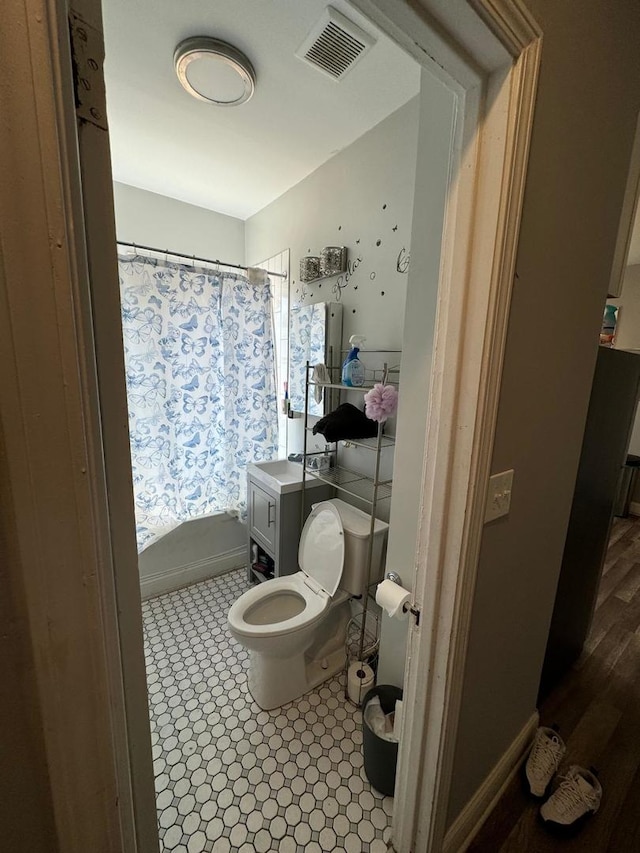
394	577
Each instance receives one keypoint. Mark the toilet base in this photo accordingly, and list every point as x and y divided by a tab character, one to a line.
270	689
275	681
317	674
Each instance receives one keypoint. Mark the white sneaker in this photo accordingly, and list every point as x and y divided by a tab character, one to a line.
577	797
544	758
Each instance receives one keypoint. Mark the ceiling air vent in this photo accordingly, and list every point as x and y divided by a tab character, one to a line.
335	44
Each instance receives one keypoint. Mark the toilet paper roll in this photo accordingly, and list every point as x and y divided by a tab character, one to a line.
360	678
393	598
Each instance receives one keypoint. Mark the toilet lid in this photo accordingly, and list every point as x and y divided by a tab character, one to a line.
321	549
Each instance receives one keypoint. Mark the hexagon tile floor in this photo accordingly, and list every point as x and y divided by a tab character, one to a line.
231	777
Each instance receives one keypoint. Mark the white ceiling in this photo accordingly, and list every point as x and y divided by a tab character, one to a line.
236	160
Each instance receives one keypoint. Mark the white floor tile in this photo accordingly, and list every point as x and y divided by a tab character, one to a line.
231	777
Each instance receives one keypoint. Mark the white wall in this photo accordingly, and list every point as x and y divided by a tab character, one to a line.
628	334
343	202
166	223
628	325
432	172
356	199
362	198
585	119
280	290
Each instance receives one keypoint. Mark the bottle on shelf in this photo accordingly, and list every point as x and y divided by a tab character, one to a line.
353	369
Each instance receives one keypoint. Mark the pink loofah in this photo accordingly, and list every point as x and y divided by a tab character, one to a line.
381	402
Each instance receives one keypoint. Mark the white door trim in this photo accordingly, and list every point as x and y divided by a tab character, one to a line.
494	116
51	435
84	390
474	297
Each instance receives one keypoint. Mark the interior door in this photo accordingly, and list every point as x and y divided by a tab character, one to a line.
612	408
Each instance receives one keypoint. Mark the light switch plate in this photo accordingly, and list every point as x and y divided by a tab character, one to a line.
499	495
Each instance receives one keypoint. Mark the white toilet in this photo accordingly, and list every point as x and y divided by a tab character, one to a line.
295	626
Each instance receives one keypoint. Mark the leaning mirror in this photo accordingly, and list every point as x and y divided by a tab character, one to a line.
315	336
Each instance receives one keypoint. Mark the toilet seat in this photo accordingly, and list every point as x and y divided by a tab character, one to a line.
315	603
321	560
321	548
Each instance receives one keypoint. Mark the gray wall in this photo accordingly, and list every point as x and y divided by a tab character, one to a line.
588	101
166	223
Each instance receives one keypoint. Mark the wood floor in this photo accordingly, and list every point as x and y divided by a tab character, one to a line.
597	708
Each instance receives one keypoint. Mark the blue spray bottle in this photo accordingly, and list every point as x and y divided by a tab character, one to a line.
352	368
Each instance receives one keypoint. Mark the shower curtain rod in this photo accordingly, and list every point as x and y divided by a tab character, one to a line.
193	257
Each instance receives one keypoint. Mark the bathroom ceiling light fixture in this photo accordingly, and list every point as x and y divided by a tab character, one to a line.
214	71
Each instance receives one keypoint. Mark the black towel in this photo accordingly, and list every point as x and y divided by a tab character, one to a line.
344	423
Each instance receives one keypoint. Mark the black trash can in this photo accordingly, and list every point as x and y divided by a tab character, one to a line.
627	485
380	756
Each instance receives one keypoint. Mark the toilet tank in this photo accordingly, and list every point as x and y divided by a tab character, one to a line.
357	529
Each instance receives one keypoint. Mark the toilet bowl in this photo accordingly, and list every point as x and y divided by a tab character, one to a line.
295	626
266	615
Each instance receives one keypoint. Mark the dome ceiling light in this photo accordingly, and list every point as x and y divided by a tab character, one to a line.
214	71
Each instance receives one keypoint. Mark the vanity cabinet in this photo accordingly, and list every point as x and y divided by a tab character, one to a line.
263	516
274	523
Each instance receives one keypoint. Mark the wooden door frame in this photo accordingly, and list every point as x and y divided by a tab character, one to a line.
71	247
495	107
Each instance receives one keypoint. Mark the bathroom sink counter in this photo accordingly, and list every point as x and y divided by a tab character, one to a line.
280	476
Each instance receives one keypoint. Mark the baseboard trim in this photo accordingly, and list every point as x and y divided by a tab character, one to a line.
175	578
467	825
634	508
